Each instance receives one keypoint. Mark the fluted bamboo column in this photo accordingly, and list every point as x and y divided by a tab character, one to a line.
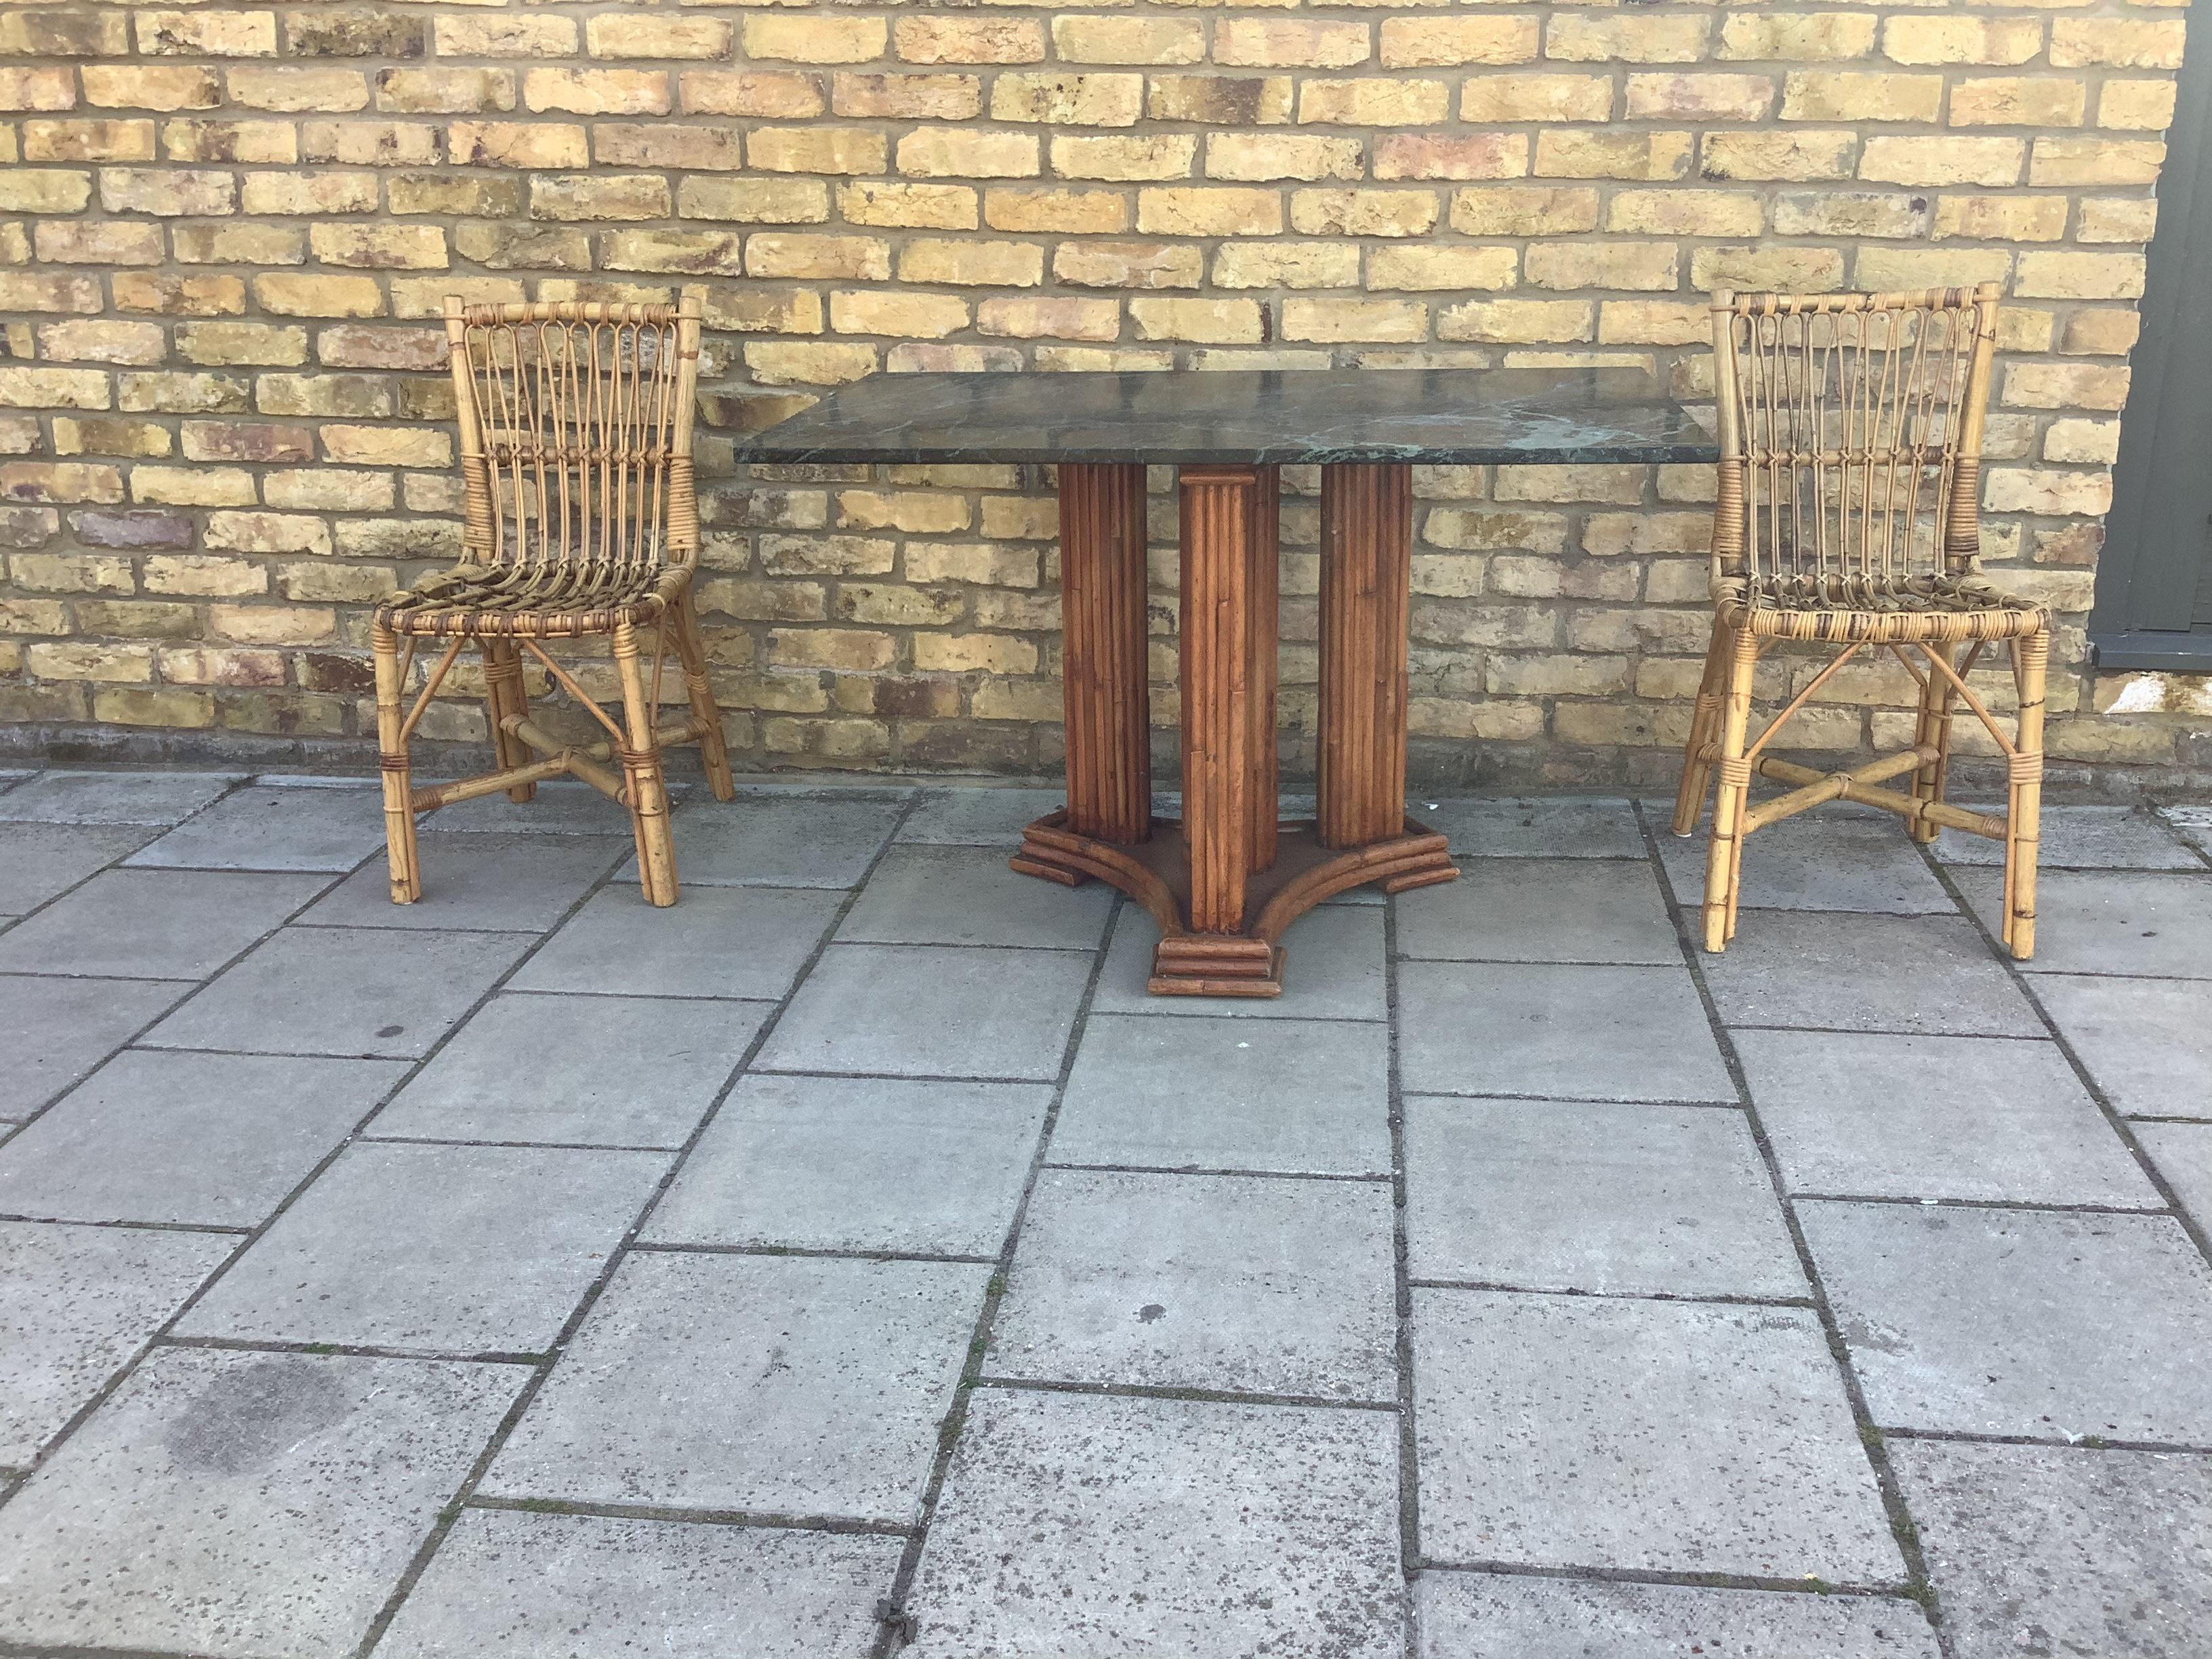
1103	669
1219	513
1366	565
1264	549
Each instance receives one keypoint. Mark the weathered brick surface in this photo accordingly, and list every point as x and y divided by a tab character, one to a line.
225	230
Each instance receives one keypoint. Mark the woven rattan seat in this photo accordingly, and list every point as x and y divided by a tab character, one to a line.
581	517
1847	514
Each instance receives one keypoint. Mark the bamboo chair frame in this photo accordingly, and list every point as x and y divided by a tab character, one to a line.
581	518
1848	515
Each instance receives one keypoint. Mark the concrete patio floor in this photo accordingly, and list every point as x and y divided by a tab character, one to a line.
531	1273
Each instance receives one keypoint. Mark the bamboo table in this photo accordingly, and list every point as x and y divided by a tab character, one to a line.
1225	880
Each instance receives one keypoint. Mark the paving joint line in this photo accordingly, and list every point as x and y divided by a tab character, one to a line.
1401	1284
1181	1391
1696	1299
1660	1575
674	1514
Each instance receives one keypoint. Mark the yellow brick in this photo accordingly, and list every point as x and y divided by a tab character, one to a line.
1128	264
1129	39
1535	98
816	149
1515	321
2142	106
516	144
1076	212
1613	154
2046	491
1638	39
1685	213
111	242
808	362
658	36
57	388
933	207
1654	322
906	316
1219	322
445	91
1961	39
298	86
1282	156
2103	219
86	661
1160	156
1792	155
1794	37
1209	211
1850	95
2064	385
942	40
776	93
1054	319
2088	443
791	254
1670	97
1433	41
2058	159
1414	266
1221	101
304	194
1951	159
597	92
87	141
2066	276
207	34
1613	264
1374	103
1363	212
2035	101
1524	210
148	85
2001	218
816	39
286	295
1776	269
931	152
401	247
993	265
908	97
2094	42
1288	43
1330	320
1294	264
1892	268
1451	155
1094	100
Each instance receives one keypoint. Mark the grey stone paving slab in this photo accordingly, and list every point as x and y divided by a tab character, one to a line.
908	1011
1866	1114
591	1587
360	991
1534	826
2083	838
38	861
857	1164
1332	969
157	798
1822	859
455	1249
1583	1195
259	828
2109	921
2146	1042
210	1139
780	1385
768	840
577	1070
979	818
508	883
1541	910
1470	1616
243	1504
55	1030
968	896
1557	1032
1695	1438
75	1302
1296	1097
154	924
714	942
1228	1282
2182	1152
1930	973
2047	1550
1120	1529
2021	1321
559	808
2193	824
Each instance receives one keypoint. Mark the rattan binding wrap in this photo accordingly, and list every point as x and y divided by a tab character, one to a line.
1847	512
581	517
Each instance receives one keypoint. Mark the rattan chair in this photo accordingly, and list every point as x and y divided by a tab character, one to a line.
580	518
1851	429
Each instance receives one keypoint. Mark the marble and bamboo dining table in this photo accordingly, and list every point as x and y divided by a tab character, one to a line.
1225	879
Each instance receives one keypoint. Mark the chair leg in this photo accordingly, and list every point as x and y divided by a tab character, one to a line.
1704	720
713	748
392	753
1724	857
647	796
504	697
1934	730
2023	810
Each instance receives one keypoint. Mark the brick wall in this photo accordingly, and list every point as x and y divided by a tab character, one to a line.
222	232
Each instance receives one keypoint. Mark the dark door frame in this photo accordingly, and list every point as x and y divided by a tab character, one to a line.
2158	537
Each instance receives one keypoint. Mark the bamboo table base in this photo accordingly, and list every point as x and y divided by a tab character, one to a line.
1227	879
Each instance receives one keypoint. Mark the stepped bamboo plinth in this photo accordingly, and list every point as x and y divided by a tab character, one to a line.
1225	880
1846	516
